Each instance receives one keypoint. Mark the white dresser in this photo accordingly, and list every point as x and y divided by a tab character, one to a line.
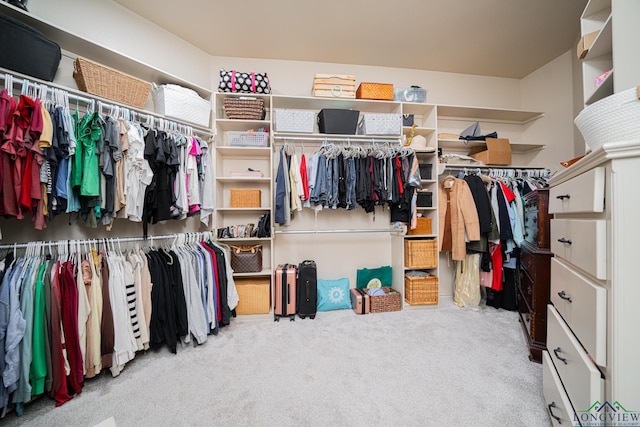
591	370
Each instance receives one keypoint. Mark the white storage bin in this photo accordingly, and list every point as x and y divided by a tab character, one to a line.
181	103
294	120
247	139
380	124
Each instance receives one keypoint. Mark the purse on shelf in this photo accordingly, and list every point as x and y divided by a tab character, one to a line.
246	258
236	81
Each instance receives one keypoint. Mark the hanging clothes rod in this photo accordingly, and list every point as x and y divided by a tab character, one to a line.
110	239
501	171
80	97
355	230
354	138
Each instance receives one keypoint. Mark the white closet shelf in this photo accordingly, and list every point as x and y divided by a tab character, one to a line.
242	125
243	152
480	114
242	179
321	137
231	240
313	103
264	272
97	52
459	144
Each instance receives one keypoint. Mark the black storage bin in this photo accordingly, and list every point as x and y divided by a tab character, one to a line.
336	121
425	170
407	120
424	199
26	50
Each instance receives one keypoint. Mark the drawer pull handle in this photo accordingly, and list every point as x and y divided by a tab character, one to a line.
563	196
563	240
562	359
551	406
564	296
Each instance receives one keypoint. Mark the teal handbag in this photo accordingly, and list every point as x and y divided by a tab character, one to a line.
374	277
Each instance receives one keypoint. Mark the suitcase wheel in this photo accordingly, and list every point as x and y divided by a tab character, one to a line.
313	316
292	319
302	317
276	319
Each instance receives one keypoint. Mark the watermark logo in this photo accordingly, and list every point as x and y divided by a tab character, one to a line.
607	414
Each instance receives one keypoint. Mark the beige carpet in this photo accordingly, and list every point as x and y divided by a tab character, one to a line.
435	367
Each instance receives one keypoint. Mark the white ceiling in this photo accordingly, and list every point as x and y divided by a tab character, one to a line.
502	38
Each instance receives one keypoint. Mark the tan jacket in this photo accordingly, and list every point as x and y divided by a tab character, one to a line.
464	215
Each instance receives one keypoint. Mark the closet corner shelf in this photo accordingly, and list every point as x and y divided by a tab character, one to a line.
81	46
241	125
242	179
605	89
481	114
264	272
231	240
428	181
459	144
243	151
261	209
420	129
426	208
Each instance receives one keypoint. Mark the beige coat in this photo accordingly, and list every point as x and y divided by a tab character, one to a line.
464	215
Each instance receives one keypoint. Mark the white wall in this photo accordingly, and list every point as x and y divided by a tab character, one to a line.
549	89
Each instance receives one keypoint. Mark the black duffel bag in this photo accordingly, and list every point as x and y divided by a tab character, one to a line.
26	50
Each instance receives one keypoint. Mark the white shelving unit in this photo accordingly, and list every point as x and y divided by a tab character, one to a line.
614	48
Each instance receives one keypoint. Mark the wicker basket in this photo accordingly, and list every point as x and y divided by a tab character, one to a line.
244	109
254	295
245	198
421	290
108	83
421	253
381	91
392	301
424	227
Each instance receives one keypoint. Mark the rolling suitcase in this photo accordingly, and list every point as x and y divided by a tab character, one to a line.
284	303
307	289
360	301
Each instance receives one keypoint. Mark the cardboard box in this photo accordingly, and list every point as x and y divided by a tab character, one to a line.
498	152
585	44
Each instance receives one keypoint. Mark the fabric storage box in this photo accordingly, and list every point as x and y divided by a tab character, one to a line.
337	121
407	120
425	170
498	152
380	91
421	253
245	198
181	103
106	82
421	289
247	139
391	301
294	120
254	295
424	198
244	108
410	94
380	124
26	50
334	86
424	226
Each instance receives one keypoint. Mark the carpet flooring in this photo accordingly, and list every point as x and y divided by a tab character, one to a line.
448	366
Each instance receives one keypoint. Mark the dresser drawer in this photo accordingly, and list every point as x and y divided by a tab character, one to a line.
528	262
583	306
558	404
580	377
581	242
584	193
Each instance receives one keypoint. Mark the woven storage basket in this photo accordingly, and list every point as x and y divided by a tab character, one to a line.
244	109
612	119
423	227
254	295
108	83
421	290
245	198
381	91
247	139
421	253
181	103
392	301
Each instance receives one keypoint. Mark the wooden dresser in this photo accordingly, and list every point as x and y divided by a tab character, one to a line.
591	370
535	264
